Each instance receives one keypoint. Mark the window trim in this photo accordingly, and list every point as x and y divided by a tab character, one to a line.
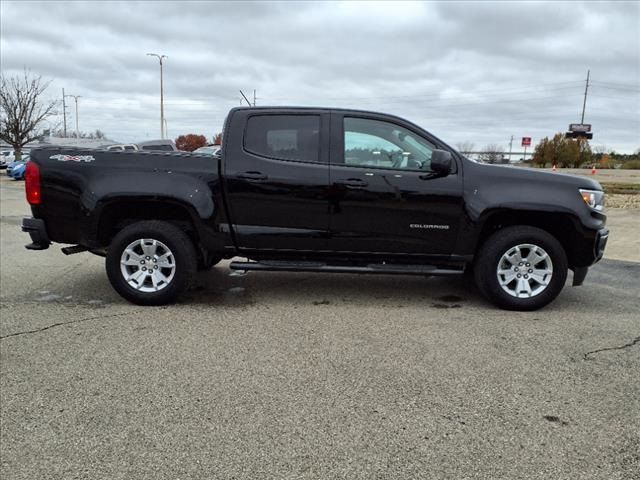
337	140
319	116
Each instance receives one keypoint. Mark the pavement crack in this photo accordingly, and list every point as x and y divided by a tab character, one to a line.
620	347
80	320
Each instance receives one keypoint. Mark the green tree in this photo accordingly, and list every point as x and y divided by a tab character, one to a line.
562	152
584	153
539	159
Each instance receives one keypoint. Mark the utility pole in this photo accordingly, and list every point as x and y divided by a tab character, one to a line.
584	103
510	145
254	97
75	97
246	99
160	58
64	113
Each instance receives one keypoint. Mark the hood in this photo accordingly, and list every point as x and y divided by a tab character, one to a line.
525	175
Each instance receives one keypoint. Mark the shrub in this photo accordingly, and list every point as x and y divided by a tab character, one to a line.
631	165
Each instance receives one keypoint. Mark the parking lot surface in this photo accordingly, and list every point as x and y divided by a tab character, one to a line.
283	375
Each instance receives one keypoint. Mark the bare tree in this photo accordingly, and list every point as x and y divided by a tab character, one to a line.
492	154
22	109
465	147
600	149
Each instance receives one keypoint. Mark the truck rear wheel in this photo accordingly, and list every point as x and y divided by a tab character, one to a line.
151	262
521	268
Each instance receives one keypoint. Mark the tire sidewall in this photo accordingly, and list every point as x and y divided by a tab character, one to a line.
497	245
174	239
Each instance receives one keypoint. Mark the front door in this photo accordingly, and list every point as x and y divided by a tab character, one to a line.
277	178
383	196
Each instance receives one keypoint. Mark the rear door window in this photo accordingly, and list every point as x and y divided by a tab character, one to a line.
284	137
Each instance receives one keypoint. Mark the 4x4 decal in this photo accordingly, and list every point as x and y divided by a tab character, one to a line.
73	158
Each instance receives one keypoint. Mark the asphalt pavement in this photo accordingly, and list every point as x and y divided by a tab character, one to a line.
285	375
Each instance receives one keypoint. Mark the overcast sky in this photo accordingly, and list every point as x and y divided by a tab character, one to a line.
466	71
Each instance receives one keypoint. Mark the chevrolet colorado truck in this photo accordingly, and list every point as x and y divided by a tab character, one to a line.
317	190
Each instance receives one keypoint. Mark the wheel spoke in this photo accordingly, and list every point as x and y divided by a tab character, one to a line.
149	247
158	278
542	276
523	287
132	258
534	258
137	277
506	276
515	257
165	261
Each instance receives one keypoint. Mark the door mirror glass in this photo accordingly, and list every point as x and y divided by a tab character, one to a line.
441	162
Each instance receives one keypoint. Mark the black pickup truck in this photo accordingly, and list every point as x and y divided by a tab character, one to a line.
320	190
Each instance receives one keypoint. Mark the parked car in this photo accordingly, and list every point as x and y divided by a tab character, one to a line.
123	148
6	156
317	190
158	146
15	164
208	150
17	172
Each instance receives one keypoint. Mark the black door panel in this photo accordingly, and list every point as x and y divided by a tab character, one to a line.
277	181
377	209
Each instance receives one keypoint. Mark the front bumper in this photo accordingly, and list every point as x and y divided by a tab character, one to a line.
37	230
601	243
579	273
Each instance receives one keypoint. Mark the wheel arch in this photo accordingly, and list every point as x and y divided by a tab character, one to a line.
116	214
563	226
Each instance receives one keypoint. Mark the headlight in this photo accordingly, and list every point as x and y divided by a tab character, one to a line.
593	198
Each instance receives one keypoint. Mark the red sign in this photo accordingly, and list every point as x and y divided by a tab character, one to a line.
526	141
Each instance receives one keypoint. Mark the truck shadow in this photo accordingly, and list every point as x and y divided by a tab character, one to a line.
218	286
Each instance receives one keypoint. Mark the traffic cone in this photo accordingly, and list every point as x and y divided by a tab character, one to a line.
593	170
554	167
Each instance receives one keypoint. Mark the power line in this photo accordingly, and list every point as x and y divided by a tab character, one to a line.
437	94
618	85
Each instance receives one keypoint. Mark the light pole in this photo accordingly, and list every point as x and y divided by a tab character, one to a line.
160	58
75	97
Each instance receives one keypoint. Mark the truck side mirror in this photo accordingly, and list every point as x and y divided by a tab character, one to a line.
441	162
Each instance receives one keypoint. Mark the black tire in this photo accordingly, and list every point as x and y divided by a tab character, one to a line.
490	254
208	261
183	253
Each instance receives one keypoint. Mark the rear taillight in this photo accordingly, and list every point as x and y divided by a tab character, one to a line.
32	183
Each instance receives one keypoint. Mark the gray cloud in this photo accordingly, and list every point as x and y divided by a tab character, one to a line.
477	71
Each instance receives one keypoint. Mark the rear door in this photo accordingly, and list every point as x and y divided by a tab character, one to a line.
277	175
384	197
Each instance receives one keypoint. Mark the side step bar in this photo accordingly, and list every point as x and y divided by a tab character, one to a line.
381	268
73	250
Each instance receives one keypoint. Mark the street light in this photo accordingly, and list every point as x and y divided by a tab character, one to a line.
76	97
160	58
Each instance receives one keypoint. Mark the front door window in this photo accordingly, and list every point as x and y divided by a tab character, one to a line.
374	143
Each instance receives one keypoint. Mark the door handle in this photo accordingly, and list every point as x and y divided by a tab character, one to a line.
353	183
252	176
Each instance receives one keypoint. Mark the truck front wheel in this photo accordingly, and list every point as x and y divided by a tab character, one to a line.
521	268
151	262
